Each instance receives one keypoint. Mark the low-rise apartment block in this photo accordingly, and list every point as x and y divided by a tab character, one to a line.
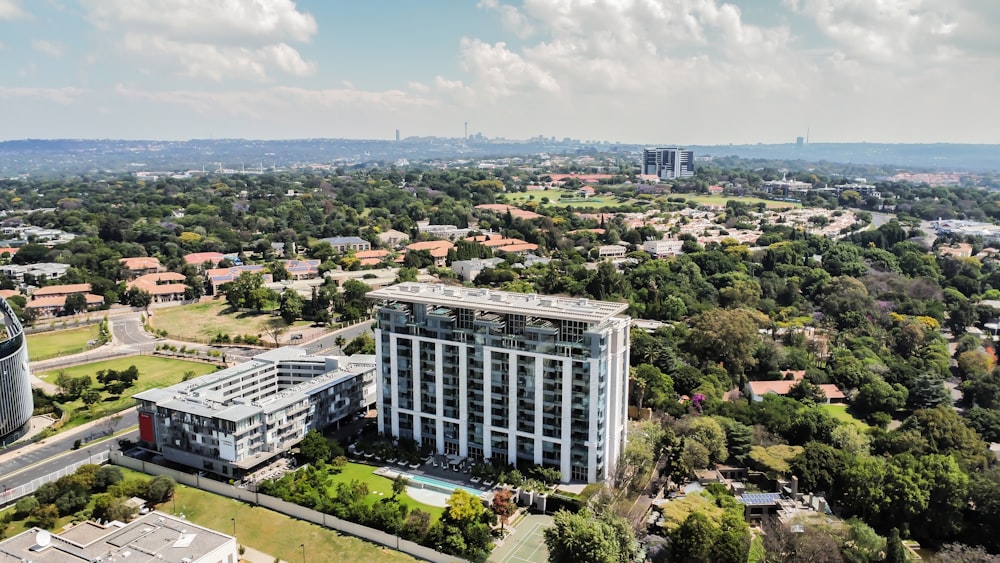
234	420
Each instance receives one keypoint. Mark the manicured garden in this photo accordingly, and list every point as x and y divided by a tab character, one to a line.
153	372
56	343
840	414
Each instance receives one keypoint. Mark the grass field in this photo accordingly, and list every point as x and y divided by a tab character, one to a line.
272	532
562	197
377	484
722	199
153	372
45	345
199	322
258	528
839	412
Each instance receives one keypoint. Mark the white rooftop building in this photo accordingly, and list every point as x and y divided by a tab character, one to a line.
232	421
507	377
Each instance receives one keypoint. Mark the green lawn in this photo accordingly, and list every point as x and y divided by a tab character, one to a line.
840	413
256	527
377	484
153	372
200	322
562	197
45	345
272	532
722	199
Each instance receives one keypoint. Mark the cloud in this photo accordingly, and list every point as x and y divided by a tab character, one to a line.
501	72
512	19
11	10
62	96
49	48
216	40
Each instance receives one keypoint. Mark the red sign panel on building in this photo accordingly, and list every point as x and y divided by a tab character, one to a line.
147	432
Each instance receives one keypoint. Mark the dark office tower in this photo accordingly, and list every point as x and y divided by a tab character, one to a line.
668	163
15	374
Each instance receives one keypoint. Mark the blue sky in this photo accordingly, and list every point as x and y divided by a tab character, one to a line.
643	71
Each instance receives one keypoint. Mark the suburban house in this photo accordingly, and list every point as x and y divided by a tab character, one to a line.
141	265
371	257
438	249
345	244
756	390
50	301
302	269
502	209
467	270
218	276
663	248
611	251
500	243
201	258
162	286
393	238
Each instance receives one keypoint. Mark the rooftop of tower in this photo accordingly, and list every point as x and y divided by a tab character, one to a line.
529	304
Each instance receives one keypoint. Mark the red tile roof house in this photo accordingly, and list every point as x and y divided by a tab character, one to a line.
199	258
756	390
218	276
163	286
51	300
438	249
141	265
302	269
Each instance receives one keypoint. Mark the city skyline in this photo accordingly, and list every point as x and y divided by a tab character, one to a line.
636	71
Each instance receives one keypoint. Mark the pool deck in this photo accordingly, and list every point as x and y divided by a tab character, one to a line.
485	492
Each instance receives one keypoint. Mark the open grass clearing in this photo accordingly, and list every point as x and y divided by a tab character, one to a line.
56	343
839	412
200	322
153	372
272	532
262	529
564	197
722	199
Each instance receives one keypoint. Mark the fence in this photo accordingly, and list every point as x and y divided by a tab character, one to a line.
288	508
10	495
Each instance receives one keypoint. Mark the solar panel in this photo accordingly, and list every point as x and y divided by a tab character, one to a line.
759	498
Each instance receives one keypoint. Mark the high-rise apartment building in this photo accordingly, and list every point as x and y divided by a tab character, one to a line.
668	163
16	402
510	377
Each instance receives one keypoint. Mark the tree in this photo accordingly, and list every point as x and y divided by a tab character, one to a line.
291	306
399	485
75	303
574	538
692	541
727	336
275	329
503	505
45	516
820	468
463	507
707	432
927	391
139	298
863	544
315	449
91	396
161	488
895	552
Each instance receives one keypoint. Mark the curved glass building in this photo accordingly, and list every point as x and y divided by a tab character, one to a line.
15	382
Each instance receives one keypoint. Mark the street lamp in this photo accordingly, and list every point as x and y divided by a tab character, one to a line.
234	526
303	546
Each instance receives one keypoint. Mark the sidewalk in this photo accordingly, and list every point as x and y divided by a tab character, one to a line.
251	555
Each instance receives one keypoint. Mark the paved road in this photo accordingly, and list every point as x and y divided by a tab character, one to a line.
128	331
328	342
54	463
18	458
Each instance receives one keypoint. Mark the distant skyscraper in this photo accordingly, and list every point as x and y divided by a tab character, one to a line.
799	141
397	135
668	163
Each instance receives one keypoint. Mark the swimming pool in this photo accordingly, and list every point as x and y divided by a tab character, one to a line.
439	486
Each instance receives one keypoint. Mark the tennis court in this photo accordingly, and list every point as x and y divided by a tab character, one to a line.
526	544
